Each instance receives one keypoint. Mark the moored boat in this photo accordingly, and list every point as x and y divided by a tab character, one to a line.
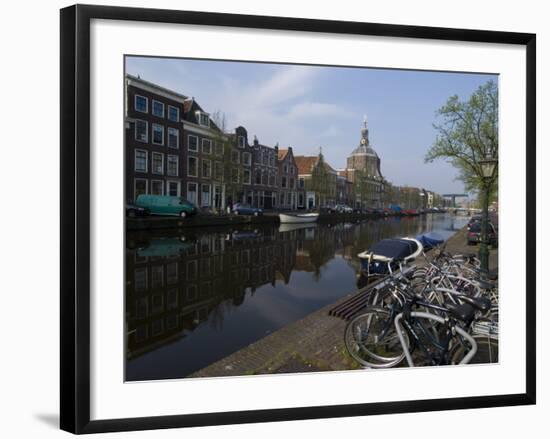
430	240
388	255
286	218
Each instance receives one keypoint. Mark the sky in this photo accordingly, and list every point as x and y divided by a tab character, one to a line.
312	107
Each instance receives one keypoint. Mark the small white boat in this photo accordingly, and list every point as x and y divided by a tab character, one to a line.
286	218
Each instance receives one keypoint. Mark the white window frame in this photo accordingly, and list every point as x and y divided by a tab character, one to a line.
153	134
189	184
177	113
200	115
249	161
196	166
161	185
168	187
241	142
238	157
202	186
153	171
146	131
146	185
203	141
209	162
146	160
249	176
177	159
189	143
146	104
153	108
173	130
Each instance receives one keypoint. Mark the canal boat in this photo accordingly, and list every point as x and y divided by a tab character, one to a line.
430	240
387	255
286	218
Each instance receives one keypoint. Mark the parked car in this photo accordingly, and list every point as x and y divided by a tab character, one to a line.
243	209
473	220
133	211
343	208
474	234
166	205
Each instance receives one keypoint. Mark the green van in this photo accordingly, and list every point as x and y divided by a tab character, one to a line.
166	205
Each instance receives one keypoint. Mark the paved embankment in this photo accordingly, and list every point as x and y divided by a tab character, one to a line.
314	343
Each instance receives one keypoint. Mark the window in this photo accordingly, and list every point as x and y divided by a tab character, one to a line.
235	175
265	159
302	183
141	130
205	196
172	165
283	182
285	169
258	177
301	199
173	138
192	143
272	160
206	146
140	160
235	156
291	183
264	178
218	148
246	176
206	168
140	186
173	113
282	201
158	163
241	141
140	279
158	108
192	192
204	119
218	170
173	188
272	180
157	187
140	103
158	134
247	159
192	166
288	198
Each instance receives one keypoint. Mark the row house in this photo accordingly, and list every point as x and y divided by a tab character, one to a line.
290	197
318	181
153	134
264	176
204	149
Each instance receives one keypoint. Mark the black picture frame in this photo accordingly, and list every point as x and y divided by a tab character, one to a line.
75	217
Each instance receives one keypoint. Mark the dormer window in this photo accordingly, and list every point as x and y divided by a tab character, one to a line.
241	141
203	118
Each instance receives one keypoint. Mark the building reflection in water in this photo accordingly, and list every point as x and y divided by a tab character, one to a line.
175	284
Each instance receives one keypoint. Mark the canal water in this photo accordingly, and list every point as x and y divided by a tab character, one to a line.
195	297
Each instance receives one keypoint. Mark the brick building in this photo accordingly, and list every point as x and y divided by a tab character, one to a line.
288	179
264	176
153	139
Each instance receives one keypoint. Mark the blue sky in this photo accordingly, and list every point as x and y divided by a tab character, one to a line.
308	107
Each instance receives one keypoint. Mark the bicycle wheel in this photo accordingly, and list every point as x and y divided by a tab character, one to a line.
372	341
487	350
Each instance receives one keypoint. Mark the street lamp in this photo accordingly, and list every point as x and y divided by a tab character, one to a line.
488	167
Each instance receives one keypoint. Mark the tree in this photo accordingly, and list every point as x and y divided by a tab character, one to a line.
466	133
226	169
321	182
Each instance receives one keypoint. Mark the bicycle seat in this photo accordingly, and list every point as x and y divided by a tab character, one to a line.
464	312
481	303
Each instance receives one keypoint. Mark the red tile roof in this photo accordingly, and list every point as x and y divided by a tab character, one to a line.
282	154
305	163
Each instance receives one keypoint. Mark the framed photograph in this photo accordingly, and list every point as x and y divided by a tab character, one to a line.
275	218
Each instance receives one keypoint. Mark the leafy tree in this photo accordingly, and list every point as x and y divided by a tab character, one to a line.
466	132
225	169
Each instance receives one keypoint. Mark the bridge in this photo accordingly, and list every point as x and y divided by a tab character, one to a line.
453	197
